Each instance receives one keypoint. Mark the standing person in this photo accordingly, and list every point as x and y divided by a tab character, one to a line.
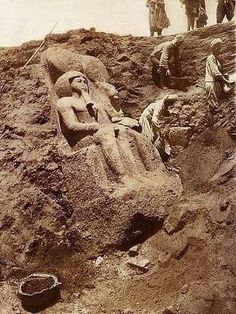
157	16
149	120
225	8
196	13
160	58
217	83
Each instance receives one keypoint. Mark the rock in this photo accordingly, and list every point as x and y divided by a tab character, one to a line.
133	251
221	213
179	248
168	310
176	220
163	258
184	289
127	311
139	263
76	295
90	286
179	136
123	57
226	170
98	261
31	246
225	205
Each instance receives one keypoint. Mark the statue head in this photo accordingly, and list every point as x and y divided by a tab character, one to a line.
109	90
70	82
79	84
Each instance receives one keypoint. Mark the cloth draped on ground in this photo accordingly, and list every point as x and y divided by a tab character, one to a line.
158	18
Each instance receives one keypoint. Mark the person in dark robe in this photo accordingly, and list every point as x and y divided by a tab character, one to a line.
158	18
196	13
225	8
160	58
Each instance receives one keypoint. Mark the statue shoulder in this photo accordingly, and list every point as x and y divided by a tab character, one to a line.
64	103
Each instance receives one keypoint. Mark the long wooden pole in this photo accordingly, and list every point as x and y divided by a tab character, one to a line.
37	50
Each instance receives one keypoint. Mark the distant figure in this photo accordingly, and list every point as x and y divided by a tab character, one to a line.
157	16
217	82
196	13
149	121
160	58
225	8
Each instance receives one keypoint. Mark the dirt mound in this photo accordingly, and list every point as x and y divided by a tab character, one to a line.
59	214
203	158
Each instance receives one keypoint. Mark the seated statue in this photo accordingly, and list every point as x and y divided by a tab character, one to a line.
80	117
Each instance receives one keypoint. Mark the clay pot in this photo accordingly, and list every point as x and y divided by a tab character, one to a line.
39	291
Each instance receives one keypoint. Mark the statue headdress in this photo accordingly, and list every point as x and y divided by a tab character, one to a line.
63	84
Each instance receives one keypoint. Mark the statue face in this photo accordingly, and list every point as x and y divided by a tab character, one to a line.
80	84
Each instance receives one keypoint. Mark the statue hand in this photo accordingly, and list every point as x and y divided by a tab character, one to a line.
116	119
94	126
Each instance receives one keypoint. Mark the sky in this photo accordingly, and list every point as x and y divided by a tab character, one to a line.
24	20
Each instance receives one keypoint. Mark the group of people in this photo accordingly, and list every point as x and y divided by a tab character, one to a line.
195	11
217	85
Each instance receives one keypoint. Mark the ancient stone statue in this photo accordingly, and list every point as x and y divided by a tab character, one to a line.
93	124
81	117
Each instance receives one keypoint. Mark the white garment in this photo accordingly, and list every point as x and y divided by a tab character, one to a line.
213	68
149	119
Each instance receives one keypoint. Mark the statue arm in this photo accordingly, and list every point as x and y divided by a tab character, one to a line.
71	122
114	115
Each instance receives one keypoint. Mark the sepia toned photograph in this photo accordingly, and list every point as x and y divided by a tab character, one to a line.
117	157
